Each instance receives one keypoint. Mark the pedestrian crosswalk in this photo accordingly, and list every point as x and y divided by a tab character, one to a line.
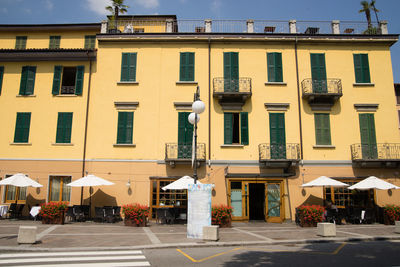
115	258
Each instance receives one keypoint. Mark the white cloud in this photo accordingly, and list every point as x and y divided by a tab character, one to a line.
148	3
215	4
99	6
49	4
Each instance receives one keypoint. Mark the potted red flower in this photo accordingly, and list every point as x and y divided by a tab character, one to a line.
221	215
310	215
53	212
392	214
135	214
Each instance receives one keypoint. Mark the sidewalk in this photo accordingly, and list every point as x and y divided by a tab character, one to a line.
103	236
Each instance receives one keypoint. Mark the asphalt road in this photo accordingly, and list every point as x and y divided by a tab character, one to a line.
379	253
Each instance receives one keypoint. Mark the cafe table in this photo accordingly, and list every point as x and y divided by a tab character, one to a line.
35	211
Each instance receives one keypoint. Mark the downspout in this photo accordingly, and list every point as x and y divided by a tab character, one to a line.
86	124
209	102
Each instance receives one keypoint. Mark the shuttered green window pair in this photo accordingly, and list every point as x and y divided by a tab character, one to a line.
236	128
22	127
128	67
322	129
274	63
361	68
27	80
57	80
54	42
125	128
186	72
64	127
90	41
20	42
1	77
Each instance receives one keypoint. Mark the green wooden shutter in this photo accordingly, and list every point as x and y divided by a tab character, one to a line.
132	67
190	67
244	128
129	128
30	84
54	42
368	136
56	80
182	117
318	73
24	80
64	127
228	128
365	68
1	77
125	128
277	135
231	71
22	127
90	41
80	72
278	67
271	67
182	71
20	42
322	129
235	71
125	67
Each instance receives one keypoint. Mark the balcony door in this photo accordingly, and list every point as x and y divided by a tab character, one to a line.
318	73
368	136
231	72
185	136
277	135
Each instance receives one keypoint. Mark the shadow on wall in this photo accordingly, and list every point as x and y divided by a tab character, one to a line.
100	199
30	202
313	200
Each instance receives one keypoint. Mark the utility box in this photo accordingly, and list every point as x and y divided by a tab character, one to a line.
326	229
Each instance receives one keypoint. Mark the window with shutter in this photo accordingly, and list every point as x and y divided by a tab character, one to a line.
231	71
90	41
128	67
274	63
277	135
186	72
361	68
1	77
20	42
236	128
64	127
368	136
185	135
125	128
27	80
322	129
22	127
318	73
54	42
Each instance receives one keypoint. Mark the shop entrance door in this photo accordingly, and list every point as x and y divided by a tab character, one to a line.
256	201
273	199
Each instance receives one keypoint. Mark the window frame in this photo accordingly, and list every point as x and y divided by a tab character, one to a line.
187	66
243	128
90	42
64	131
362	73
123	128
20	42
58	78
54	41
61	187
17	193
275	67
25	128
27	83
128	68
322	128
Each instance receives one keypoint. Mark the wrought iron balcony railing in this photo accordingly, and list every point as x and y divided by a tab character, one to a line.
279	152
182	152
381	152
232	86
67	90
322	87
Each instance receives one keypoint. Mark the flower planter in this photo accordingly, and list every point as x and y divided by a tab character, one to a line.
227	223
56	220
132	222
387	220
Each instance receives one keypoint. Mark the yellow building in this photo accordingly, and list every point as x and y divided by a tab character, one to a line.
285	103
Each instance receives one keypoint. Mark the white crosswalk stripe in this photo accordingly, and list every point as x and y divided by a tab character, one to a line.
75	258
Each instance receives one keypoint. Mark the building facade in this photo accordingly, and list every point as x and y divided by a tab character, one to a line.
285	103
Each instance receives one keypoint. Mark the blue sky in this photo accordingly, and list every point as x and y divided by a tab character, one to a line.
77	11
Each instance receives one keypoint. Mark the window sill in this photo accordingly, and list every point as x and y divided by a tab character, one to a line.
363	84
275	83
62	144
128	83
186	82
124	145
21	144
324	146
26	95
237	145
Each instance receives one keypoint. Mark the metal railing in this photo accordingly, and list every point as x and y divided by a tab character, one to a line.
67	90
240	85
175	151
278	152
136	26
381	151
328	86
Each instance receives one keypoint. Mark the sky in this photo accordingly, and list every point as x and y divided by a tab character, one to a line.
82	11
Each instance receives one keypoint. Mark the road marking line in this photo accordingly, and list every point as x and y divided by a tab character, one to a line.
153	238
72	253
107	264
253	234
350	233
339	248
45	232
209	257
69	259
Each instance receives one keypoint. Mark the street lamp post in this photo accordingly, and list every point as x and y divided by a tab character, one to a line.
198	107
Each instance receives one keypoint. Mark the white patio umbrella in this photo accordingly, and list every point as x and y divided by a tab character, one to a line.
181	183
90	180
323	181
20	180
373	182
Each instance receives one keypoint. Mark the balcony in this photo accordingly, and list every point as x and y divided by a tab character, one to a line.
232	93
182	153
279	156
322	93
382	155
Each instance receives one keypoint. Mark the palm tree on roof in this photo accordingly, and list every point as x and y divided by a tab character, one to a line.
367	7
117	7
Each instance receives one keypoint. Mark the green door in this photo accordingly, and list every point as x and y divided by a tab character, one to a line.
368	137
185	136
318	73
231	72
277	135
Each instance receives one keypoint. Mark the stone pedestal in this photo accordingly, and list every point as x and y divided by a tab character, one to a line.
326	229
211	232
397	227
27	235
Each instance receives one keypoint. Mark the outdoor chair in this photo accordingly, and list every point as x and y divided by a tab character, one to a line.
79	215
117	213
160	216
85	209
12	211
369	216
99	214
70	214
332	216
109	214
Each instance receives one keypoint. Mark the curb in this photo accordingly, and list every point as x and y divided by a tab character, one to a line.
26	248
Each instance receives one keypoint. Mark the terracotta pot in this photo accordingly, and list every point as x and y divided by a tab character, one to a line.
132	223
56	220
227	223
304	223
387	220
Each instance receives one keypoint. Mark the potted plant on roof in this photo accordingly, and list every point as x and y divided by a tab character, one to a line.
221	215
392	214
310	215
135	214
53	212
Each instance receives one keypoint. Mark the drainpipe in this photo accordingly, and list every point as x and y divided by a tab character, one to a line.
86	124
209	101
